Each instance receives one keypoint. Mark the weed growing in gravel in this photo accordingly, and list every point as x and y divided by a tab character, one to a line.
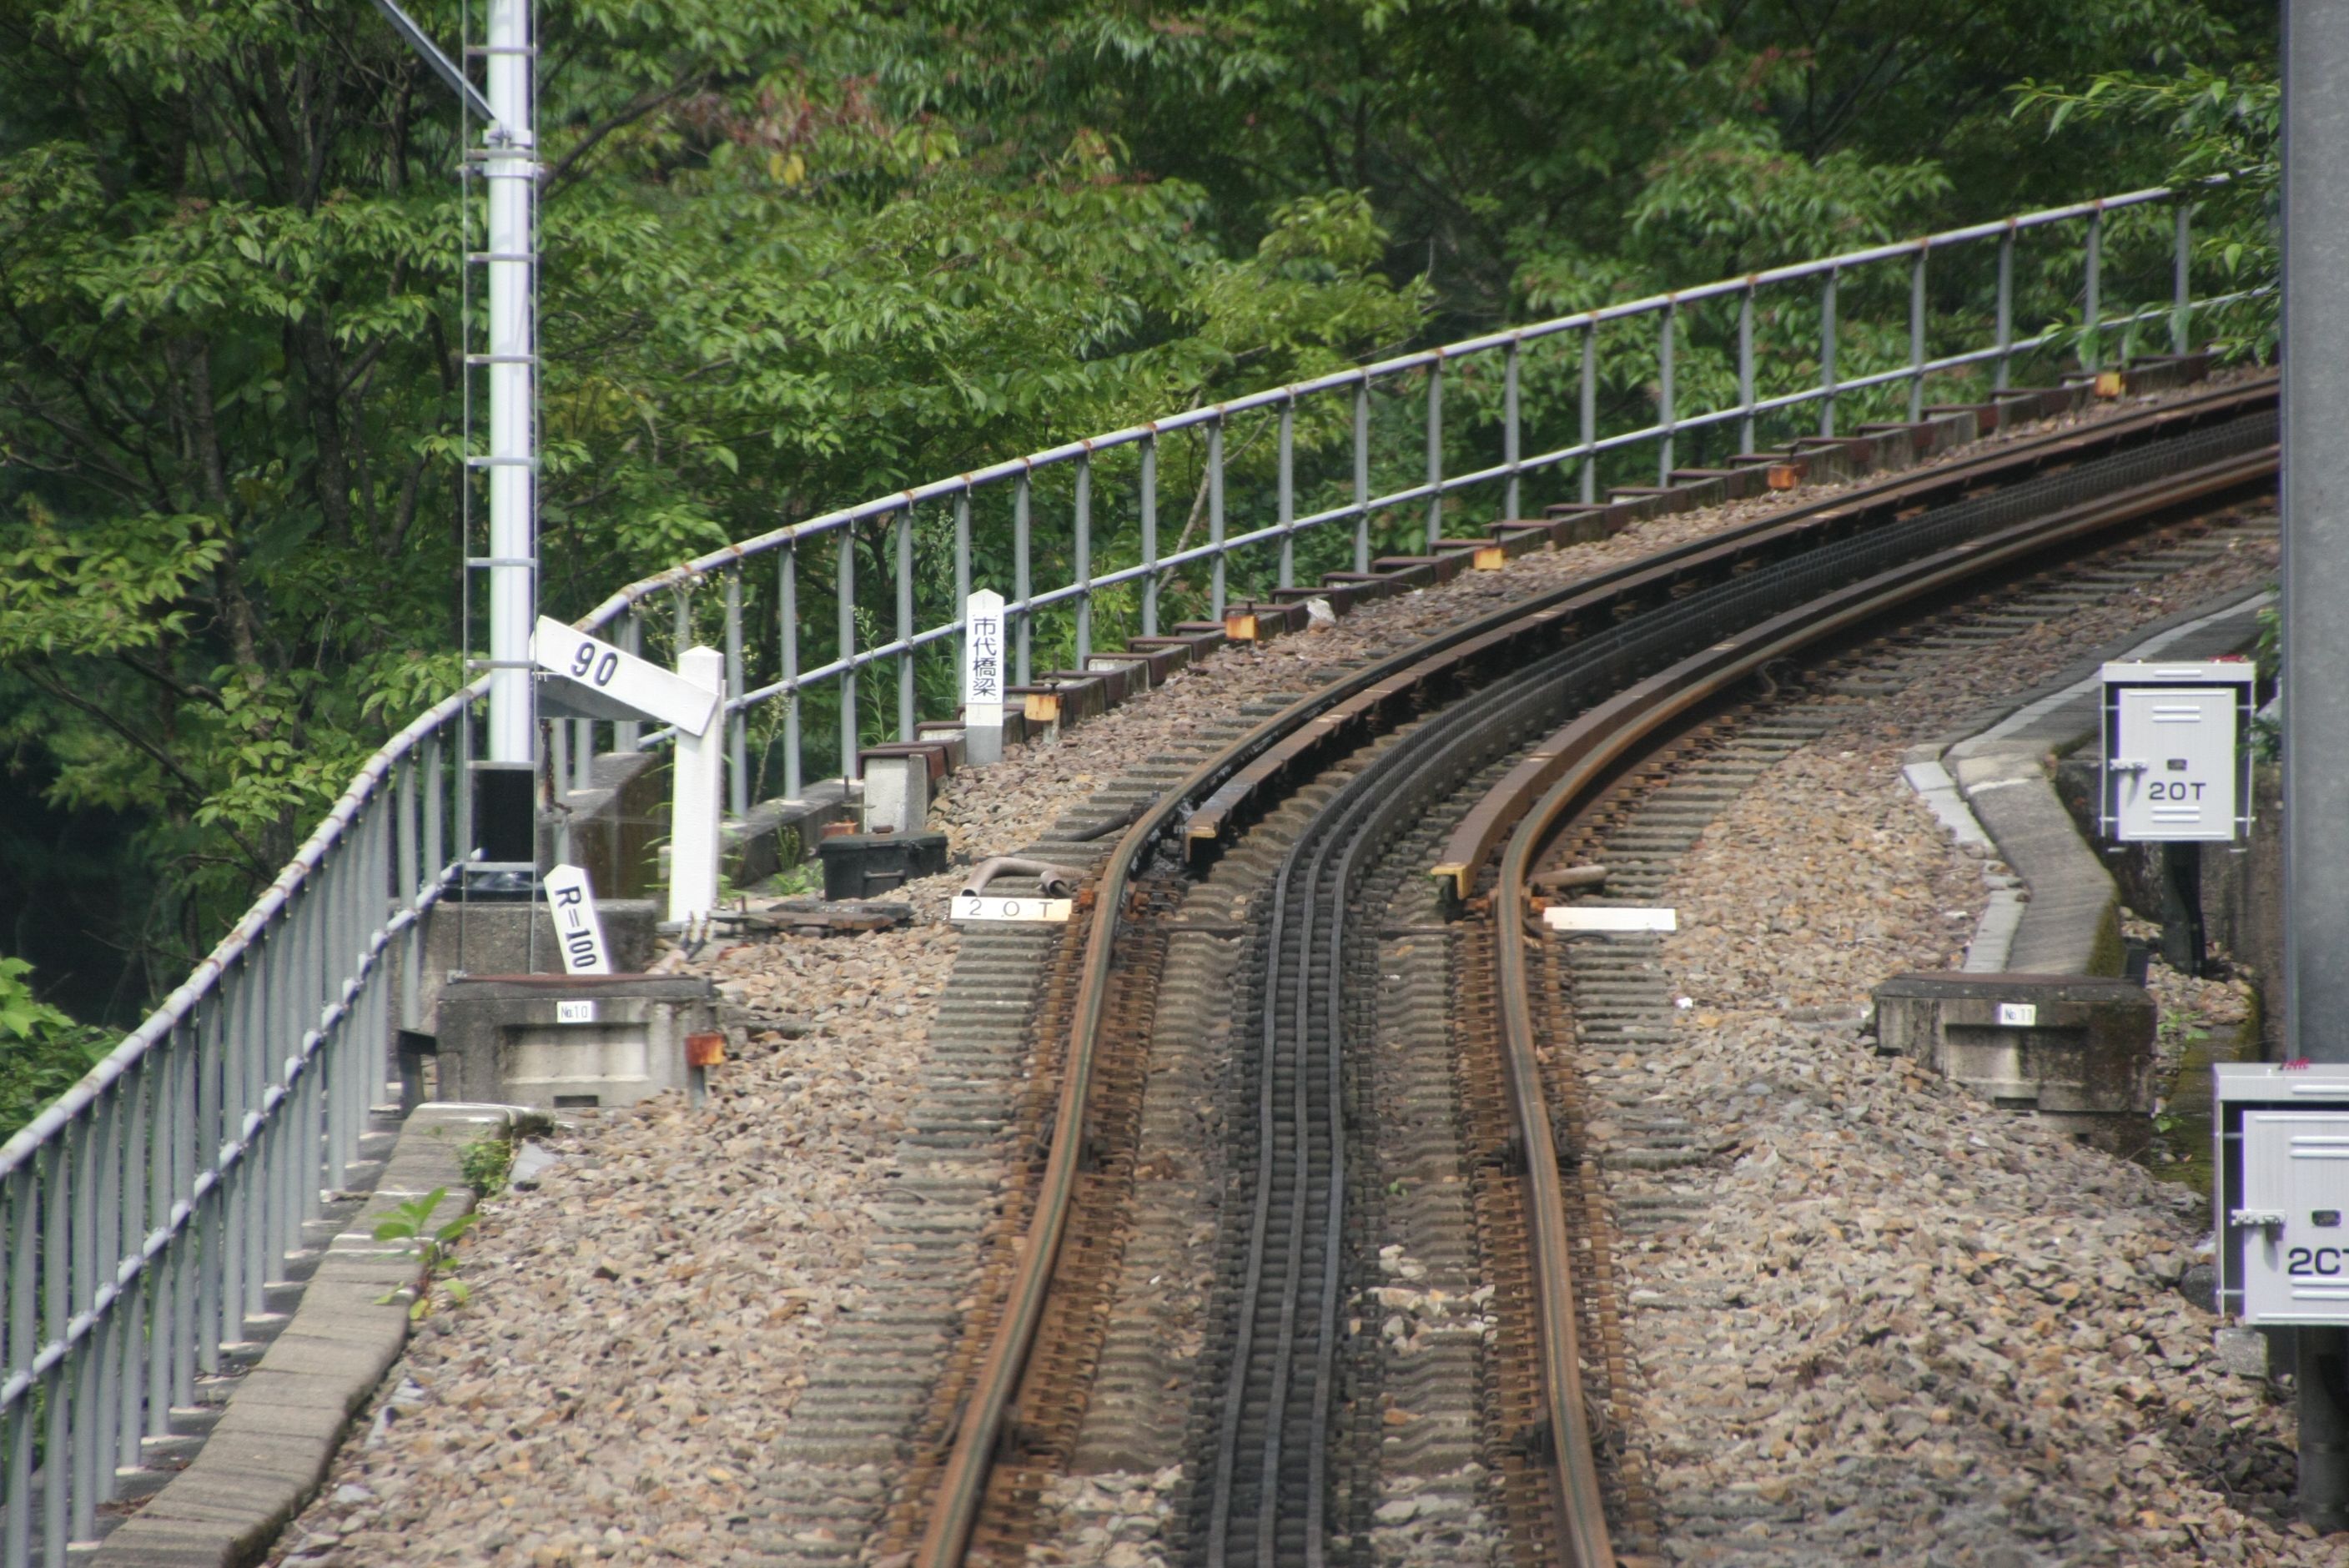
412	1221
485	1163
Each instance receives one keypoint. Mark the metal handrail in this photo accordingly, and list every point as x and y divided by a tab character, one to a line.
628	607
145	1211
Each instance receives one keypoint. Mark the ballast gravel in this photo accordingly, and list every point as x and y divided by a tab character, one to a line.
1912	1328
643	1317
640	1324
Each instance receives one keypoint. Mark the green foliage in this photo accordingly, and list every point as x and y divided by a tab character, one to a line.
435	1251
42	1050
485	1163
803	251
2217	126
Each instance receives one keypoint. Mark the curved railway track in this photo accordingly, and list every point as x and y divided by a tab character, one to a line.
1524	718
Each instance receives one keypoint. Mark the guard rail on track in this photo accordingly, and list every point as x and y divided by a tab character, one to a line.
146	1210
1797	593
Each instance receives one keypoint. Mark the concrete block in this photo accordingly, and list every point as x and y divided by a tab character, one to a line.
2076	1049
556	1042
781	834
983	742
485	938
257	1435
1736	484
2240	1352
614	824
1167	653
1420	569
897	793
1137	672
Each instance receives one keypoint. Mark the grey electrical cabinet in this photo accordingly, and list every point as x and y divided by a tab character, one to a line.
2283	1192
2176	767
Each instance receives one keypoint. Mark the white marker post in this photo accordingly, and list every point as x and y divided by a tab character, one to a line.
982	677
578	933
693	820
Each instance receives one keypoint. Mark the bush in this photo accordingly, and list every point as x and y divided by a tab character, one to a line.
43	1051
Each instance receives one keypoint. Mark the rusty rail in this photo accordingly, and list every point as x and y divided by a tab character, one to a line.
1217	799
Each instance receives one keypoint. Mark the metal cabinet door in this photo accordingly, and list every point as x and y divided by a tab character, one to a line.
2296	1167
2177	744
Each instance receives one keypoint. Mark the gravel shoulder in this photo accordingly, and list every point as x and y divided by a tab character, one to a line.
1914	1328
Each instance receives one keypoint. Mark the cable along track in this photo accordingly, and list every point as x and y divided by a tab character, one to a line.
1629	653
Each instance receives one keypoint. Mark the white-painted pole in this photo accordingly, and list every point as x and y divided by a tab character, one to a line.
693	821
982	677
511	168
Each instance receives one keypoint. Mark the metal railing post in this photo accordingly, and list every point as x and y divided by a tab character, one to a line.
1362	474
2005	309
1149	488
737	726
1083	519
56	1280
1020	583
1745	368
1828	355
1664	393
788	637
1216	514
631	639
1285	501
1510	501
1917	334
2092	343
2181	307
844	592
907	716
1435	450
1589	425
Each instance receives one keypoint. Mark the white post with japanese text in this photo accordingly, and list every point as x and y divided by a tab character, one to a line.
982	677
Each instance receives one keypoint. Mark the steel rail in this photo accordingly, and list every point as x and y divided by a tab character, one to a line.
1573	768
1208	804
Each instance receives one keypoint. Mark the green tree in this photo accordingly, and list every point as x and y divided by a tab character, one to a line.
802	252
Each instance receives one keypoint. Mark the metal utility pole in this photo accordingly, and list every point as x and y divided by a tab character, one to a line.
503	812
2316	642
510	167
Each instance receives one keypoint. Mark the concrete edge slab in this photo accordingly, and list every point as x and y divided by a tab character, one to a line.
274	1442
1990	787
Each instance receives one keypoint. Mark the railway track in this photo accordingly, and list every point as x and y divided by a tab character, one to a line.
1305	844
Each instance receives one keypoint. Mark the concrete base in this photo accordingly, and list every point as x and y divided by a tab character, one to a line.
2076	1050
560	1042
515	939
896	794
